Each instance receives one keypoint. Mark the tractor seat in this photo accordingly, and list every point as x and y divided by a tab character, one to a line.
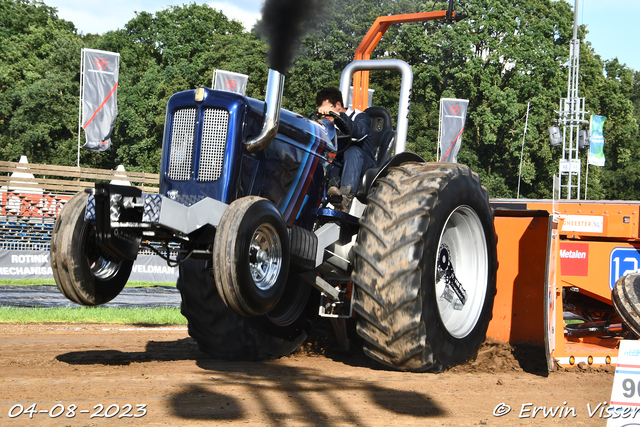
382	138
381	133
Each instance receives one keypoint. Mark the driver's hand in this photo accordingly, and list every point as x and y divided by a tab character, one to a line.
325	109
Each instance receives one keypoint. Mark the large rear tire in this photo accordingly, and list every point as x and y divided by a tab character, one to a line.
626	300
425	267
226	335
84	273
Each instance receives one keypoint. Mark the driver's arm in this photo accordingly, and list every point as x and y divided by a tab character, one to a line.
360	125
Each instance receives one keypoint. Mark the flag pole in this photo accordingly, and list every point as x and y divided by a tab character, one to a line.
526	123
586	184
439	133
80	101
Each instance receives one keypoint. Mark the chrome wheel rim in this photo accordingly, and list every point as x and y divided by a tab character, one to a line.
265	257
103	268
461	272
102	265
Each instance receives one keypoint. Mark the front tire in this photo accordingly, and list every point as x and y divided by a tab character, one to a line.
84	273
251	256
425	267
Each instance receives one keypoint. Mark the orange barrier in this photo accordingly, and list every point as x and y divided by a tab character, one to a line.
543	264
518	310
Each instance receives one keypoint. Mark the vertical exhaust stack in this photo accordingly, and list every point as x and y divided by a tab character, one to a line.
273	100
283	24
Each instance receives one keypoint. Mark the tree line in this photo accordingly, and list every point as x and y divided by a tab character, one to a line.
505	55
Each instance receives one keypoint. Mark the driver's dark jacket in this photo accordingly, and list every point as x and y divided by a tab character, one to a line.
360	125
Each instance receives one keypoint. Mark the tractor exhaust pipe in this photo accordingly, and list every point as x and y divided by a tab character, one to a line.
273	100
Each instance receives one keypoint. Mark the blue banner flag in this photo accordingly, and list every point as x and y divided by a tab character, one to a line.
596	150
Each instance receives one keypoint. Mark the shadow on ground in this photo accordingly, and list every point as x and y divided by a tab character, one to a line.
286	393
156	351
271	392
310	395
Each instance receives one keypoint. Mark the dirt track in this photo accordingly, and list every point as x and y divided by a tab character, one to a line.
87	365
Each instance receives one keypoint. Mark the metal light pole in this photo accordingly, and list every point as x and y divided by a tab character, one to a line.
571	116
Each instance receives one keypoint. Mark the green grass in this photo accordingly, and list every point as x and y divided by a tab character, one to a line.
31	282
26	282
151	316
129	316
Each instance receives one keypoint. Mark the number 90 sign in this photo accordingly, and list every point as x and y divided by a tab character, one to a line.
629	386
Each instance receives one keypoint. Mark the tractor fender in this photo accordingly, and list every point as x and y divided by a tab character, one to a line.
372	175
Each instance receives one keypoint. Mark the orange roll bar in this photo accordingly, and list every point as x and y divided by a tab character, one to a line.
371	40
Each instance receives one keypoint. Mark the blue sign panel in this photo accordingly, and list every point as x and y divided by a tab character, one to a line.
623	261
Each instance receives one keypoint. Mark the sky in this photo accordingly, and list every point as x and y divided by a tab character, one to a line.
610	22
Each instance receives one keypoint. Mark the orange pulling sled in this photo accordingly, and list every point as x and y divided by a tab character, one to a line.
556	272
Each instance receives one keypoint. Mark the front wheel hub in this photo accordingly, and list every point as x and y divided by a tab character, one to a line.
265	256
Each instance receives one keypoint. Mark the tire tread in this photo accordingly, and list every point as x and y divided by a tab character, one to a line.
388	297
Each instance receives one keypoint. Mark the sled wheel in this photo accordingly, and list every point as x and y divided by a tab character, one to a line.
59	226
251	256
425	267
223	334
84	273
626	301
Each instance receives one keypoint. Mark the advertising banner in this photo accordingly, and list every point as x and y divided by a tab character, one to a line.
99	105
596	150
453	114
36	265
625	398
25	265
229	81
152	268
574	259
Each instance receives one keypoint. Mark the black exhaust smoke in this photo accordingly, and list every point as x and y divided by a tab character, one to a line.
284	22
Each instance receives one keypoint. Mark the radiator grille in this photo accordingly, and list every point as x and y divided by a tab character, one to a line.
214	138
181	153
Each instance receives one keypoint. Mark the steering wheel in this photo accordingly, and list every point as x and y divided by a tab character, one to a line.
342	126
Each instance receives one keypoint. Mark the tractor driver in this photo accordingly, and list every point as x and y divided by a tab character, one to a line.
359	156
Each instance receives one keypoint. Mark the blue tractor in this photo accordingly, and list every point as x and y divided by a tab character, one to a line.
261	250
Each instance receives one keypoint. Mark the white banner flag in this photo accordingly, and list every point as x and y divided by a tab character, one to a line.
453	114
99	104
230	82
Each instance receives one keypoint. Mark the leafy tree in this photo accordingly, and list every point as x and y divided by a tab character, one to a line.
610	97
502	57
634	96
19	15
174	50
38	83
330	46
